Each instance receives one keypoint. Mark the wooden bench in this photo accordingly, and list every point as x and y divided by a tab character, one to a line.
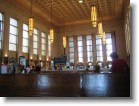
106	85
84	84
47	85
6	85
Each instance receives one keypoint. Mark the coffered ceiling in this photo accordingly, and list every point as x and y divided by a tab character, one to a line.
70	12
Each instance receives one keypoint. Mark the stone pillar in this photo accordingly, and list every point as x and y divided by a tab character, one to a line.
6	36
20	39
75	50
104	54
94	48
84	49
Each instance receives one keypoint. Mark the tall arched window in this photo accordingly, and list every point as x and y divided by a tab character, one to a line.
43	43
25	38
80	48
13	34
1	29
35	41
71	49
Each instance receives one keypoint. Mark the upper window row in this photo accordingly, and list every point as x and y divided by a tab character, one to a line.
89	48
13	37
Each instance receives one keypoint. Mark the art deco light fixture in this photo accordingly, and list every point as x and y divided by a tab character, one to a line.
64	38
51	30
104	39
101	33
94	16
31	22
100	29
51	35
64	42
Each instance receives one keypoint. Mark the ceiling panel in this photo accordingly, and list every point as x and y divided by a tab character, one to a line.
74	12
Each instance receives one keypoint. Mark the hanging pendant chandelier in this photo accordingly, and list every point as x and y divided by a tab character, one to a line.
30	26
94	16
100	29
64	38
64	42
51	30
104	39
51	35
31	22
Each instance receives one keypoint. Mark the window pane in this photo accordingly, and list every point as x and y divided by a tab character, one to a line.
89	48
43	47
80	49
108	35
49	48
49	43
80	43
1	17
88	37
99	59
35	51
25	49
89	54
43	35
25	27
90	59
72	60
109	52
71	49
80	54
43	41
13	30
43	53
89	42
0	36
12	39
35	38
35	45
35	31
71	55
99	53
71	39
71	44
109	59
80	59
97	37
12	47
99	47
108	41
109	47
13	22
79	38
25	34
98	41
1	26
25	42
